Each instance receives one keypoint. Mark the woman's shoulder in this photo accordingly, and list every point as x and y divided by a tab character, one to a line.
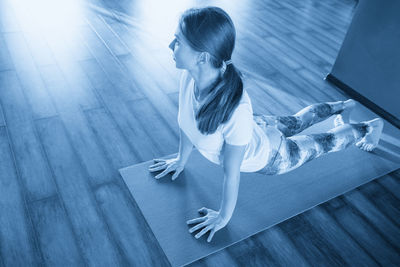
245	102
239	128
243	110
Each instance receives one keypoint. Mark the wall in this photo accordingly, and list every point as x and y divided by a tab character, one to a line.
369	59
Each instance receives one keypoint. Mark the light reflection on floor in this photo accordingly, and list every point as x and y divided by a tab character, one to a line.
159	18
156	19
62	14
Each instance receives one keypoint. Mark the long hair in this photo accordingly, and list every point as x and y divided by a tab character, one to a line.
210	29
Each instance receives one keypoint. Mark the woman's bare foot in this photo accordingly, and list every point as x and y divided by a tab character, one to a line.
371	139
344	117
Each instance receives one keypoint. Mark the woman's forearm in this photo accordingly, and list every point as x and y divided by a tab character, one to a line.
185	147
229	195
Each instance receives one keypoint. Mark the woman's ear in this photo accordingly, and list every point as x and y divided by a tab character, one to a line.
203	57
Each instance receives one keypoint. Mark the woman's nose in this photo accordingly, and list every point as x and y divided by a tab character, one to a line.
172	45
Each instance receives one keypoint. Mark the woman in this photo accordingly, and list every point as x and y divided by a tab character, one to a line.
216	116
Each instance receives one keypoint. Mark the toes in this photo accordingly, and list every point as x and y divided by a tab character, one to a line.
364	146
367	146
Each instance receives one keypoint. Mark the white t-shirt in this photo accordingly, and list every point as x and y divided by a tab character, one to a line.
240	129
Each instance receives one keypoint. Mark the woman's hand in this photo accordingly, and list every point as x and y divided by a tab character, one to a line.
212	221
169	165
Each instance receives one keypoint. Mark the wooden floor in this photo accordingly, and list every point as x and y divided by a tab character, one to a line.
88	89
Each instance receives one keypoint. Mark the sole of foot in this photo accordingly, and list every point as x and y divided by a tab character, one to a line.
371	139
344	117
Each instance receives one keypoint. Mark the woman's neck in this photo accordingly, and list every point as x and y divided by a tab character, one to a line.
203	78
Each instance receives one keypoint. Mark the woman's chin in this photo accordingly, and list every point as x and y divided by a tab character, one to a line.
178	66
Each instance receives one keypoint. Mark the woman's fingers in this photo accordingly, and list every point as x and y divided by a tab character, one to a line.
159	160
197	227
205	230
157	168
176	174
169	165
167	170
197	220
210	236
157	164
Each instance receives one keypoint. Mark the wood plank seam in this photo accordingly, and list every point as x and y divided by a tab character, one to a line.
29	223
75	235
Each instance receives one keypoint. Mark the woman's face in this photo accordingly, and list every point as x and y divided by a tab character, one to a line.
185	57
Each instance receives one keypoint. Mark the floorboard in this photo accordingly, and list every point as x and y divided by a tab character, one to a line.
364	233
17	240
110	39
93	158
385	202
65	96
33	169
280	247
168	111
8	21
161	135
391	183
5	58
74	190
2	121
310	242
56	238
36	92
342	243
385	226
39	48
249	252
160	61
123	219
110	65
109	135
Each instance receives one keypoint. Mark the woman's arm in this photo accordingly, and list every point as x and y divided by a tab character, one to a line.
216	220
233	157
185	147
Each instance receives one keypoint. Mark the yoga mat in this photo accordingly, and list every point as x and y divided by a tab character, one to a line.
263	201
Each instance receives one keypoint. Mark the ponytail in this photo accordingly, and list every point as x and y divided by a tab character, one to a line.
221	101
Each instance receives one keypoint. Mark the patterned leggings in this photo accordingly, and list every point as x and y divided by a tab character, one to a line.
289	152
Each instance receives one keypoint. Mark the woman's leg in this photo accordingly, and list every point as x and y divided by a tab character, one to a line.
296	150
308	116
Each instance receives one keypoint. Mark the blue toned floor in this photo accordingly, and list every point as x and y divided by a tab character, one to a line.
89	88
